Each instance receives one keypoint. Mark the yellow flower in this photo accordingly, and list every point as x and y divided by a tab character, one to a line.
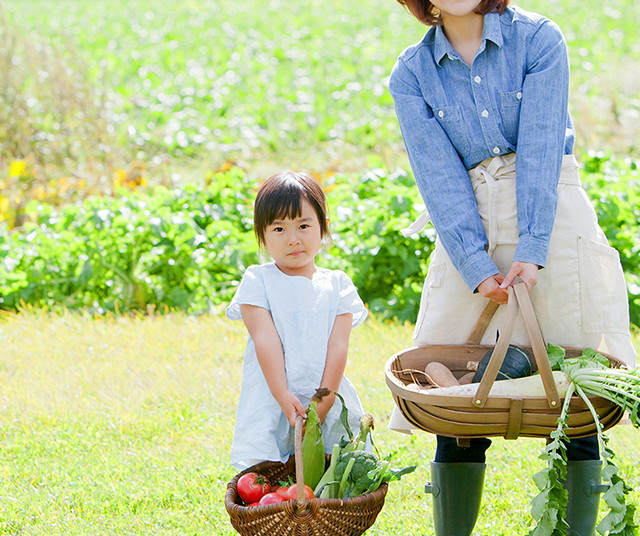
119	177
329	187
5	204
17	168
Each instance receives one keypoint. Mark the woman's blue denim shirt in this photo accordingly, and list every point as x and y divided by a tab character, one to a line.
452	117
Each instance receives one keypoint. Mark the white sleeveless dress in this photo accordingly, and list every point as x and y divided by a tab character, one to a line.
304	311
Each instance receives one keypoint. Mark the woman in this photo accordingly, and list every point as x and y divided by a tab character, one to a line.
482	103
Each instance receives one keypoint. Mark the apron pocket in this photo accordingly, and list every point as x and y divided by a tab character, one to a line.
603	291
434	279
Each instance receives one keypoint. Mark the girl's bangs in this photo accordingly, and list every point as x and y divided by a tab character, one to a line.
287	206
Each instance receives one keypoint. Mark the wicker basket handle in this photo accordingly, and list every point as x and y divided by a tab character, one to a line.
298	457
519	300
483	323
537	344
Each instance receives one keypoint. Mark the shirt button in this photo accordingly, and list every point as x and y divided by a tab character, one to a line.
485	113
477	79
496	150
519	95
441	114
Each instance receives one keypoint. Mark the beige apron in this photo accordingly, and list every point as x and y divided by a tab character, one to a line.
581	297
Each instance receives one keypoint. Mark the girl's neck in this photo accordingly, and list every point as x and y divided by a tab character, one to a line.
304	271
464	34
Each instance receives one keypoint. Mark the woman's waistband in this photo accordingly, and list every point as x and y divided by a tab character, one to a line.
500	168
504	167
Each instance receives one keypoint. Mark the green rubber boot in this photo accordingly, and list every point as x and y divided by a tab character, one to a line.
584	489
457	493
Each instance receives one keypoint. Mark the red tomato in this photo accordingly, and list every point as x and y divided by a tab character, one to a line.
292	493
257	503
270	498
252	487
282	491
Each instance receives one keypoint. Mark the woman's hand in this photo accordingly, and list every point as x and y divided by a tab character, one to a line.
527	271
492	288
291	407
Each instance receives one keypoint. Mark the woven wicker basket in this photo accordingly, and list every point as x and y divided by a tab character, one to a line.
301	517
482	415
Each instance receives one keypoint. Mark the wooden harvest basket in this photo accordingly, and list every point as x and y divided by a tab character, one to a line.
302	517
482	415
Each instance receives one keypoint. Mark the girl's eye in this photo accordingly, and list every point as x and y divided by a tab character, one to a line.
278	229
304	226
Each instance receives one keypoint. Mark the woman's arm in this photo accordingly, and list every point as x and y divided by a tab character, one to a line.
540	148
442	179
270	355
337	350
541	141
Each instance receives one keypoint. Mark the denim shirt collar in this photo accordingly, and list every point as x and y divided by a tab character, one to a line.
490	32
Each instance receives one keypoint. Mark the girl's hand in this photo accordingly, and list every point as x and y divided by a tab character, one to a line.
291	407
492	288
527	271
325	405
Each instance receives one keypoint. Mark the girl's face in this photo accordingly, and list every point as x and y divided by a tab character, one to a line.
294	243
456	8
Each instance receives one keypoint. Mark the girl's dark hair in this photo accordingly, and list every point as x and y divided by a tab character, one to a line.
428	14
281	197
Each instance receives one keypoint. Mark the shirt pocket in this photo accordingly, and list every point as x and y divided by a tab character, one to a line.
450	119
510	113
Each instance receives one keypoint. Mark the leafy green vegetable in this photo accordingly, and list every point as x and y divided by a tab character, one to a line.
589	374
549	507
357	479
327	487
353	471
556	356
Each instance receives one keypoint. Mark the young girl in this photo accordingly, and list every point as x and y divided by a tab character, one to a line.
299	318
482	102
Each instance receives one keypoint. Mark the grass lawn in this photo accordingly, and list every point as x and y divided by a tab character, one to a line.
123	426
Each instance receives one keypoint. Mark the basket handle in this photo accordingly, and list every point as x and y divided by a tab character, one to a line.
499	352
518	300
537	344
298	457
483	323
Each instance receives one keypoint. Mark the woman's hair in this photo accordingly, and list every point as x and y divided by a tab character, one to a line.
281	197
428	14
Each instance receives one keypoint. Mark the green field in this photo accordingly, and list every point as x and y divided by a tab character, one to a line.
123	425
268	85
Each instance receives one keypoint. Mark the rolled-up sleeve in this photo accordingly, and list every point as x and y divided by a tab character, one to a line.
442	179
541	136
